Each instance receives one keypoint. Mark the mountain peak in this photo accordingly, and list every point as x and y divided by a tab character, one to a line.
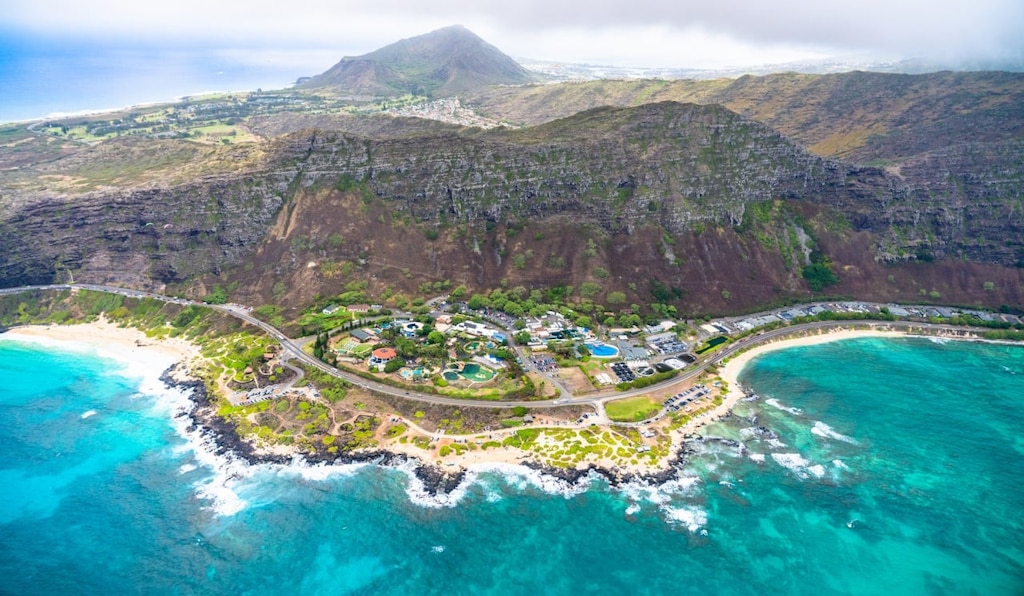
444	62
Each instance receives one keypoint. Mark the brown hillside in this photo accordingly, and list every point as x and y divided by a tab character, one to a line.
330	239
858	116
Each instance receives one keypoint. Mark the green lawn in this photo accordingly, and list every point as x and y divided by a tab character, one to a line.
362	350
633	409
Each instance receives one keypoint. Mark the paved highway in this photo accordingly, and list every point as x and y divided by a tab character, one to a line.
294	350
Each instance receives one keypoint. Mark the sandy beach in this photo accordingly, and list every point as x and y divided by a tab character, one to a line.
125	344
730	372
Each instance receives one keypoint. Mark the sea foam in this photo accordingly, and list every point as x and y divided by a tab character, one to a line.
219	489
794	462
771	401
670	498
418	494
823	430
692	517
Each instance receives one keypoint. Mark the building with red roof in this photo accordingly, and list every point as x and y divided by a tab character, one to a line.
382	356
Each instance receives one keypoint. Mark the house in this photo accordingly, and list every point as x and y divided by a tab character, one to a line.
411	329
477	330
381	356
359	308
660	327
362	335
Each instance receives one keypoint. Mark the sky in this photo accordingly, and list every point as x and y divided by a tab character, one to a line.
654	33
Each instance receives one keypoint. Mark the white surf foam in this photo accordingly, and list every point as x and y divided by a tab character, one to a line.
794	462
771	401
418	494
437	549
757	457
670	499
523	478
221	488
319	472
840	464
88	414
817	470
227	471
659	494
823	430
748	433
694	518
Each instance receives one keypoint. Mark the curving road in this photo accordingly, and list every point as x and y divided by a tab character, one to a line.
597	400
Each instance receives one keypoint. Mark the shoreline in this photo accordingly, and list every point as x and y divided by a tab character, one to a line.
127	345
732	368
142	105
171	359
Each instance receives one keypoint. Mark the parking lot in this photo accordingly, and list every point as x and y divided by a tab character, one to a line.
544	363
679	400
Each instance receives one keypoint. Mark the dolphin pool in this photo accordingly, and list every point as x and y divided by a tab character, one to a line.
600	350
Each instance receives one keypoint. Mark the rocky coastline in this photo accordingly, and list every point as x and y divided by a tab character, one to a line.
204	419
436	480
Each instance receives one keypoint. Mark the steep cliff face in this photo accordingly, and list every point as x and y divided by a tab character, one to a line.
676	164
680	166
693	197
965	201
144	237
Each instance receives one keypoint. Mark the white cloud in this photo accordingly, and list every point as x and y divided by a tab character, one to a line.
683	33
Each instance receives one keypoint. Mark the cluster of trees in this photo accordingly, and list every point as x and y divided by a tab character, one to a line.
819	273
321	346
519	302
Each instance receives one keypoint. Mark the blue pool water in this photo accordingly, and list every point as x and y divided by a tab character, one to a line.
603	350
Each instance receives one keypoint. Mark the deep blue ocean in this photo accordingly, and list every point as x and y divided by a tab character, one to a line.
40	77
865	466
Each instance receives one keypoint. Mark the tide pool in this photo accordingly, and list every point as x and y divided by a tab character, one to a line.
864	466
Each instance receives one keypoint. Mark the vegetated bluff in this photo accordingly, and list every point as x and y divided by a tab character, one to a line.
723	210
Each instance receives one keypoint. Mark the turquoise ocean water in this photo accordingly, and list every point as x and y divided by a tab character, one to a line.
866	466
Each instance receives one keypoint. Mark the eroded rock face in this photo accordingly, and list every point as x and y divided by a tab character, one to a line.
664	168
145	237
